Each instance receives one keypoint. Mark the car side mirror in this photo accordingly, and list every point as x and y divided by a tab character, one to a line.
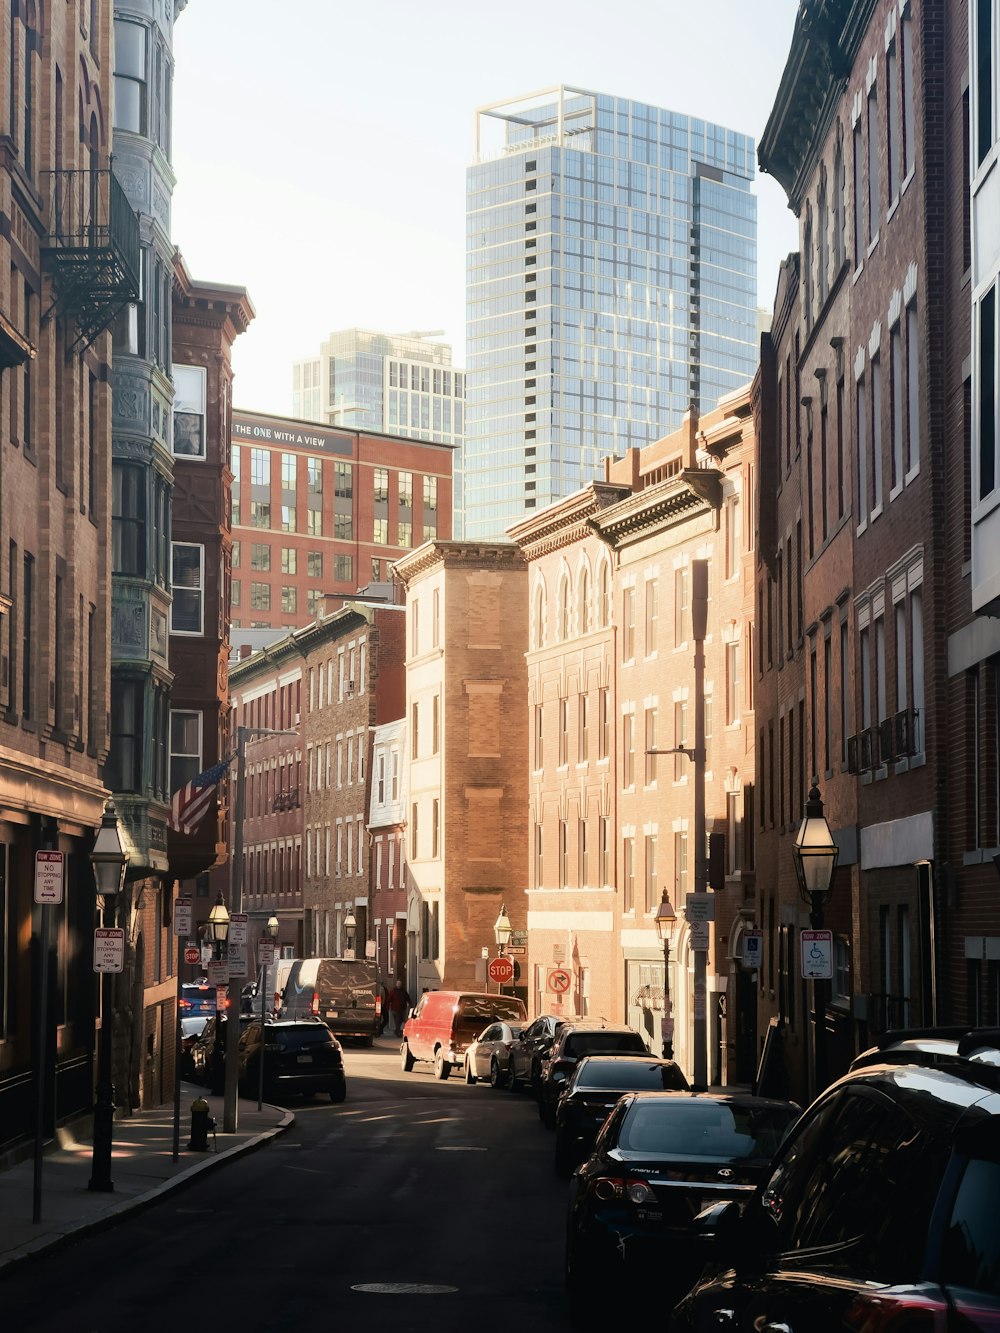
732	1237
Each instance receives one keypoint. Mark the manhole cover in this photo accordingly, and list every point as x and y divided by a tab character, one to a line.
403	1288
459	1147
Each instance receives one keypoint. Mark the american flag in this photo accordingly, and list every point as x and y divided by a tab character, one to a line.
190	803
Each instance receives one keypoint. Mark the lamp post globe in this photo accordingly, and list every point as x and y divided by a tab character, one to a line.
815	855
350	931
272	926
218	924
502	929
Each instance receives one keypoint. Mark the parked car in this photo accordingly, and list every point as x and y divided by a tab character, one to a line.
204	1066
273	978
344	992
191	1029
573	1041
880	1211
659	1159
197	997
524	1064
593	1090
302	1058
444	1023
489	1055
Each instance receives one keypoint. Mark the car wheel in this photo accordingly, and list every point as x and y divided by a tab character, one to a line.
406	1060
496	1074
513	1082
339	1093
442	1067
469	1075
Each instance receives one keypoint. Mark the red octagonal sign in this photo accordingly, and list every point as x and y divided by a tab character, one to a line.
500	970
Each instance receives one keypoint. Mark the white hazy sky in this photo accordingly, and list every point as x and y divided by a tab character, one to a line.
320	146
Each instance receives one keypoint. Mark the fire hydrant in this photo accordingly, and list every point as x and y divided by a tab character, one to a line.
202	1123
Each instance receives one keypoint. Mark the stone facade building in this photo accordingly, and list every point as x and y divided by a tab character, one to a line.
467	828
610	683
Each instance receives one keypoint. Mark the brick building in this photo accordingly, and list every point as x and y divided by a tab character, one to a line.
389	881
466	635
305	840
69	259
860	419
610	681
320	512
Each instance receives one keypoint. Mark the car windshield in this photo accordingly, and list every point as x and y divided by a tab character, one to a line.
703	1130
629	1076
291	1039
193	1027
971	1251
487	1008
603	1043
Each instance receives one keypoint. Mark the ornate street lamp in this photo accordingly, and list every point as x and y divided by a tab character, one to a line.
664	920
270	932
218	924
350	930
815	854
109	858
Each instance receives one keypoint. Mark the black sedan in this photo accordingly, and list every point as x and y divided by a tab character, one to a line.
660	1159
302	1058
595	1086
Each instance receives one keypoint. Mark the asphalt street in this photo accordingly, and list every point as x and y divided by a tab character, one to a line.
415	1205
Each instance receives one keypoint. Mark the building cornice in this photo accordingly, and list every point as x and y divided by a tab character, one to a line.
691	492
825	43
300	642
457	555
565	522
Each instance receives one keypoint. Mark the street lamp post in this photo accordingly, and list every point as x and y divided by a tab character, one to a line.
110	861
271	933
665	918
501	933
350	931
815	854
218	933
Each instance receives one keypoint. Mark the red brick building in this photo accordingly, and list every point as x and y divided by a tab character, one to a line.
860	411
320	512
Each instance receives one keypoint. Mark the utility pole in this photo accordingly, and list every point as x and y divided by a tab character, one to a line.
230	1103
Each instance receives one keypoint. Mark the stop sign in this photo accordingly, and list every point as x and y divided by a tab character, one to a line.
192	954
500	970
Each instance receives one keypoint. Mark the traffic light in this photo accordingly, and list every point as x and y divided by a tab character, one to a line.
717	860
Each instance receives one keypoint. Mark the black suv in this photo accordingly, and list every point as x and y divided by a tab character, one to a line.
302	1057
880	1209
578	1038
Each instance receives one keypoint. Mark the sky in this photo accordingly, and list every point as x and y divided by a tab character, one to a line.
321	162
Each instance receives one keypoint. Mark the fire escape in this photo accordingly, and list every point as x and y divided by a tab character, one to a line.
91	249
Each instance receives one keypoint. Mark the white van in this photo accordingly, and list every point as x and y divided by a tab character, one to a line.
272	978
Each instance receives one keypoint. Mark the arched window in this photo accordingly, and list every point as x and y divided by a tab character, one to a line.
564	608
538	619
604	596
583	601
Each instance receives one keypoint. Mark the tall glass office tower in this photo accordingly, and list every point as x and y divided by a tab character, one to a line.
611	278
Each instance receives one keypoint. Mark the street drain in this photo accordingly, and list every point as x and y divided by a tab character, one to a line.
403	1288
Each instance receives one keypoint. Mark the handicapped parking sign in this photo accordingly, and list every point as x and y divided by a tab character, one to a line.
817	954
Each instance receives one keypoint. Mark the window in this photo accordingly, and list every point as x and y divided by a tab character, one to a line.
260	556
628	874
628	750
680	738
128	519
845	693
563	853
839	203
435	827
380	532
908	145
260	467
185	747
651	617
985	38
314	564
680	866
582	853
628	625
563	732
430	496
563	609
912	389
189	411
583	601
603	722
289	600
876	492
415	730
404	481
733	683
985	424
539	737
652	897
380	485
603	848
858	184
682	605
861	430
260	514
130	77
873	180
435	724
124	766
604	596
414	829
583	736
893	128
260	597
188	579
917	666
896	407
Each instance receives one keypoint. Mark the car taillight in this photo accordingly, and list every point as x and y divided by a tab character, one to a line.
378	1004
889	1311
623	1187
314	1007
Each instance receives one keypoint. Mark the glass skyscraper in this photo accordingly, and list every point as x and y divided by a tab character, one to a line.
611	283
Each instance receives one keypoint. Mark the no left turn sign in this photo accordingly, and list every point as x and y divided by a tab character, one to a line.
558	980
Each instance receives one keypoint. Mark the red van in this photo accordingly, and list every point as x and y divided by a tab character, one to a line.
445	1022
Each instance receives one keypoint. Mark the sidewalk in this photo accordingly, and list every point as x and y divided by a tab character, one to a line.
142	1169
